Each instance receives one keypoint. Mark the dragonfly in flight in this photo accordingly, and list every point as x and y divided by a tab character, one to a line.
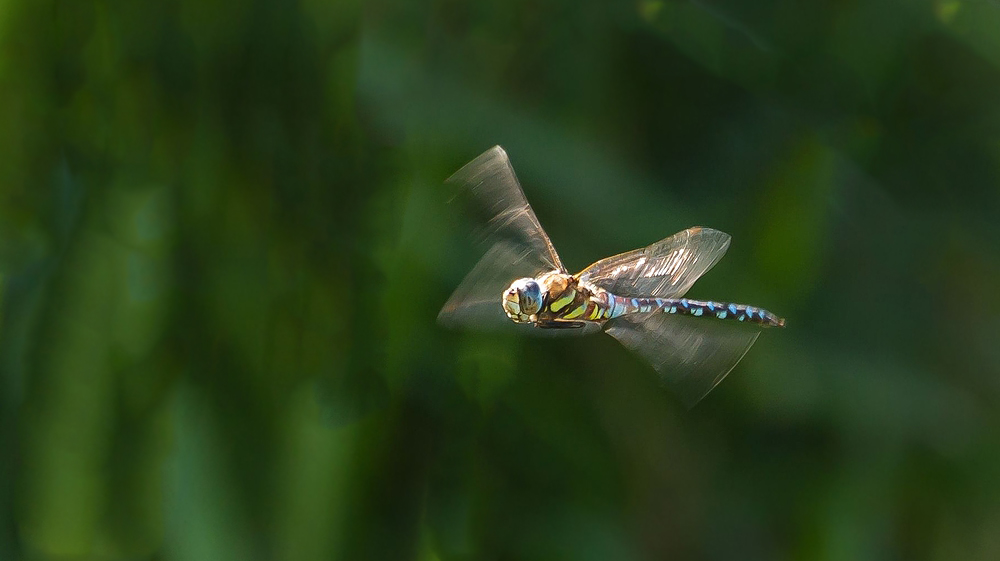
636	296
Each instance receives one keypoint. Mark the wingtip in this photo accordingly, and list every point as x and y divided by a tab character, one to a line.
707	231
465	172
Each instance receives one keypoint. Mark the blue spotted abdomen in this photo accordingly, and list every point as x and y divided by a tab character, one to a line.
685	306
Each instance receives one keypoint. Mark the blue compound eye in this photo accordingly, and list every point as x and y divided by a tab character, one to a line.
530	296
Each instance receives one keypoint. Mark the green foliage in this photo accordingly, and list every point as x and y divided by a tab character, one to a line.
224	240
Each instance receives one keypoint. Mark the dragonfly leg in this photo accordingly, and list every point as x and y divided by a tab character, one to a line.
549	324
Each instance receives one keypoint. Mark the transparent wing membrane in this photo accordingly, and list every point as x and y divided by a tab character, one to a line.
515	243
691	355
477	300
665	269
491	192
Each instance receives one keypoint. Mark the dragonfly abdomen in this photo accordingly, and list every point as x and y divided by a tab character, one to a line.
688	307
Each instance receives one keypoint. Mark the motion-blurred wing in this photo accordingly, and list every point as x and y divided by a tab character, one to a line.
516	245
491	192
665	269
691	356
477	300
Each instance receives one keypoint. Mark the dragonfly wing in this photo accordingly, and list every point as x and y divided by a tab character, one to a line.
691	356
516	245
665	269
477	300
491	192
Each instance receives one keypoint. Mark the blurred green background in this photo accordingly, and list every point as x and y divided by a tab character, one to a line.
224	240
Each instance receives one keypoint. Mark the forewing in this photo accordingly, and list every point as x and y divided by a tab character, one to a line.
477	300
515	244
476	303
490	191
691	355
665	269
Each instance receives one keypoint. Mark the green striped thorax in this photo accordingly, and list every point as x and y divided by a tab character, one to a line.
522	300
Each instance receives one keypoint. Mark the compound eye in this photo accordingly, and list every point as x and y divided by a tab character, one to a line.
530	297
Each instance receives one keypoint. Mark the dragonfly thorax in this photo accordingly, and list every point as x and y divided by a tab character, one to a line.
522	300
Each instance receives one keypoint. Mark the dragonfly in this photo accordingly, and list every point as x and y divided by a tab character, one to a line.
637	297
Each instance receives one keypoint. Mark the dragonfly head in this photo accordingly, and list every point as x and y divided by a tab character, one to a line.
522	300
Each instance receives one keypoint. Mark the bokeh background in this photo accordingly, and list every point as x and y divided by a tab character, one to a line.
224	241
